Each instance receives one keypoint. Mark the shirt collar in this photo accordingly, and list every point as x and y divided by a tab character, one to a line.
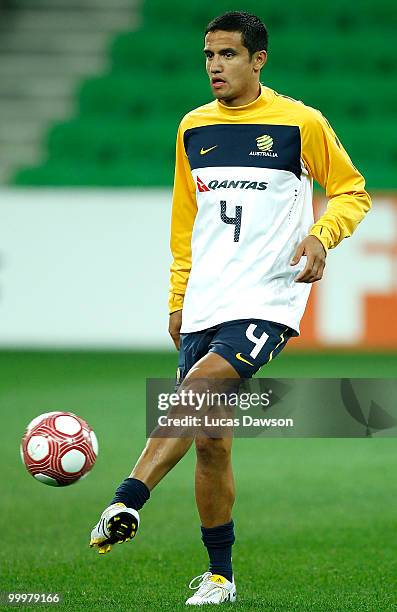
264	99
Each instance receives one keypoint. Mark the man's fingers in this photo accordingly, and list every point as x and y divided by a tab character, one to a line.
315	253
302	277
317	271
305	273
298	254
320	271
312	272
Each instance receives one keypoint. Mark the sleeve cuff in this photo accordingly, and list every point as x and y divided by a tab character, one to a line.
175	302
323	234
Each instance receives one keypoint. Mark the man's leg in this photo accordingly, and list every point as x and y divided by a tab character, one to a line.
215	491
120	521
158	457
215	494
214	482
161	454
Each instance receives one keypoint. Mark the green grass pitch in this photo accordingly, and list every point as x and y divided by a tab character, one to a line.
315	518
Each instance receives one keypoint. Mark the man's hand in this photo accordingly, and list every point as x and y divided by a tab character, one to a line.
174	327
315	264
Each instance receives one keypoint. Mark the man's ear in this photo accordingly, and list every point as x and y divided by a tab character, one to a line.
260	59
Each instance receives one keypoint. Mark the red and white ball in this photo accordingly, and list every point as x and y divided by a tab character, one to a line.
59	448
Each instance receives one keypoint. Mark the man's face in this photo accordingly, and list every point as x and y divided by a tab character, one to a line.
232	73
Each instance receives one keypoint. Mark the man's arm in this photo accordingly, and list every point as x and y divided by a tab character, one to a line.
184	210
348	202
174	327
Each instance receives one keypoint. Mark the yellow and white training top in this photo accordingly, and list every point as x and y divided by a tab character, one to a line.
242	202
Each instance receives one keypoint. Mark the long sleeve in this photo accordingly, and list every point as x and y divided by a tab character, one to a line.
330	165
184	210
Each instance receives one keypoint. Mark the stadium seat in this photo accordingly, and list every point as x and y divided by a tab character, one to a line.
335	94
297	49
128	94
337	14
196	13
336	57
156	50
108	142
72	173
344	16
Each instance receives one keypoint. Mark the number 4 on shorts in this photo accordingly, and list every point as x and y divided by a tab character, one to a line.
259	342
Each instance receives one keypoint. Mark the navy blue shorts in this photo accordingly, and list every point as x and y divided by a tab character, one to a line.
247	344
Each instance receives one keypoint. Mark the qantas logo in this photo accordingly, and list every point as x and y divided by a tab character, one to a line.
214	184
201	186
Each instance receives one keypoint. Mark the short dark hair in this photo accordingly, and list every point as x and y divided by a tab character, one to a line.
253	30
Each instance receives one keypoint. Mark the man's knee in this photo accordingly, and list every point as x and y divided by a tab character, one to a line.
212	451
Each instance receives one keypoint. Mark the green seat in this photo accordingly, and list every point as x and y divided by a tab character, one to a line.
336	57
315	50
112	141
197	13
138	95
371	150
336	14
72	173
379	176
320	51
343	16
156	50
337	95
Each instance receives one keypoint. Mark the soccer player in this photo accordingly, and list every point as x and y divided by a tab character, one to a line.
245	253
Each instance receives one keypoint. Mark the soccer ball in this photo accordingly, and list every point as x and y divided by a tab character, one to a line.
58	448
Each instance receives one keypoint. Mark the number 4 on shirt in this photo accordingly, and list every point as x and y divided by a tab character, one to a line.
236	221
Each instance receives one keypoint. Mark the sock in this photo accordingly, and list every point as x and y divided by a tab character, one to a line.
132	492
218	542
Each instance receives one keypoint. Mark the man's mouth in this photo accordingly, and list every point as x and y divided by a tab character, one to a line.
217	82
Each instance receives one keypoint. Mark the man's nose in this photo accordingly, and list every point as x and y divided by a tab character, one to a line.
216	65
